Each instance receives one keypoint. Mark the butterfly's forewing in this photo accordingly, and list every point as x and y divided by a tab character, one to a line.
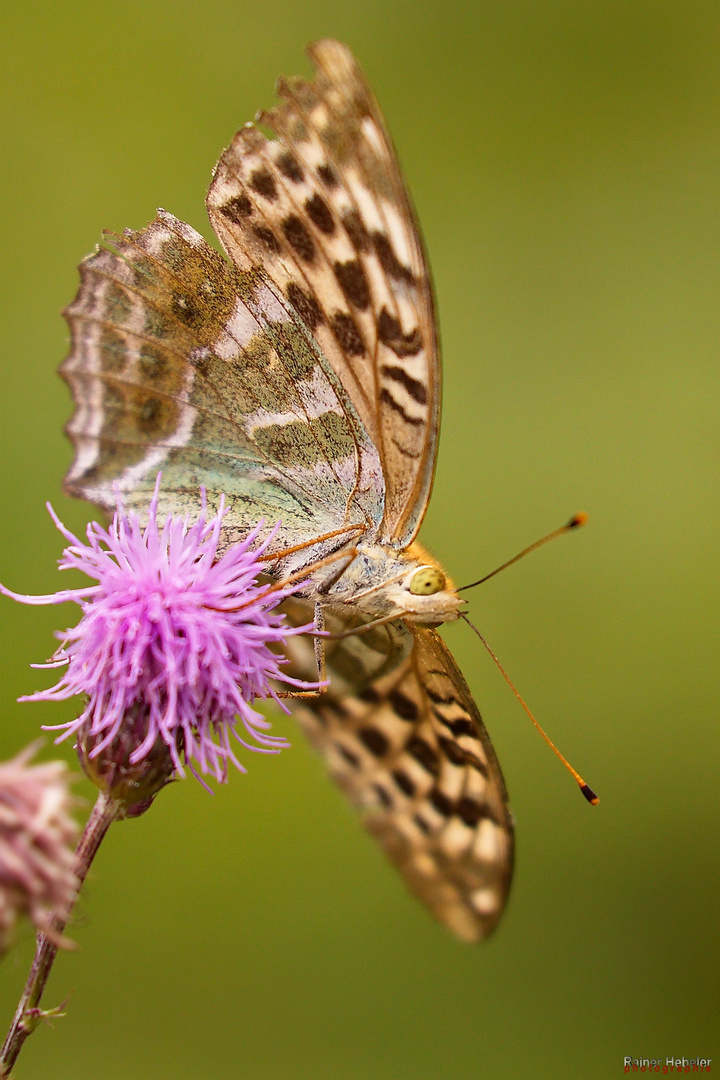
410	750
182	362
324	209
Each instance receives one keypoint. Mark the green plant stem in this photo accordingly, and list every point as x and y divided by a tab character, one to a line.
28	1014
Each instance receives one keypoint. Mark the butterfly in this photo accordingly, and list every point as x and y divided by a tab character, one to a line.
301	377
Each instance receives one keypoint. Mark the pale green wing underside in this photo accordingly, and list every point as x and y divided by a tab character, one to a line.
183	363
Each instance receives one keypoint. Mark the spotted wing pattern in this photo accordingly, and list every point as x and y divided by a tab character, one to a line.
182	362
324	209
410	750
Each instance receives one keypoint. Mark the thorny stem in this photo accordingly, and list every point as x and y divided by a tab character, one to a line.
28	1014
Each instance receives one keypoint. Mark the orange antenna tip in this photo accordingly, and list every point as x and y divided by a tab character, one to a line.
577	520
589	794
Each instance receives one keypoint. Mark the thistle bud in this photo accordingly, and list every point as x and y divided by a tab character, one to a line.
132	784
37	834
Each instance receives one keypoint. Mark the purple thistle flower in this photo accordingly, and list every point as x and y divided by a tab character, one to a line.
172	648
37	862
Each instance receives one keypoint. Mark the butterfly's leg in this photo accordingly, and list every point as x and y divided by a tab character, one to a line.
319	643
337	572
319	650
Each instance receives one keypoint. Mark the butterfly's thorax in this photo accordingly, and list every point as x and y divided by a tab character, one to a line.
379	583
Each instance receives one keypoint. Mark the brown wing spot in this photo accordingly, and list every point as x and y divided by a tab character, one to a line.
369	694
425	754
203	364
403	705
403	781
361	101
263	182
348	755
131	409
114	348
388	399
340	709
352	281
422	824
154	418
441	802
289	166
414	454
148	414
440	699
389	260
475	763
305	304
458	725
356	230
237	209
390	333
453	752
327	175
298	237
268	238
470	811
152	363
376	742
319	212
384	797
415	389
348	336
187	310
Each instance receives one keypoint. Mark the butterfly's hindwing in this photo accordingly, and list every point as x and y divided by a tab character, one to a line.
182	362
402	736
324	209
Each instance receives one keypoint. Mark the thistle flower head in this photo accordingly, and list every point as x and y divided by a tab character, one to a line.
37	861
172	649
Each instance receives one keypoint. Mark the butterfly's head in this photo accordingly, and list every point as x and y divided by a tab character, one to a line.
425	593
411	585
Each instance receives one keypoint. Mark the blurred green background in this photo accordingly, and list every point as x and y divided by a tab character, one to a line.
564	158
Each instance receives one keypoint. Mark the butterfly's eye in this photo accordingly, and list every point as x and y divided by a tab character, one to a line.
427	580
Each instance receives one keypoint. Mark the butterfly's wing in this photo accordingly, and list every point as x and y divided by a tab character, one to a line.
184	363
324	209
411	751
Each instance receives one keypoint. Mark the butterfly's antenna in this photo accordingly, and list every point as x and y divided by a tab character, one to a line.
299	575
363	628
573	523
585	788
275	556
306	571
